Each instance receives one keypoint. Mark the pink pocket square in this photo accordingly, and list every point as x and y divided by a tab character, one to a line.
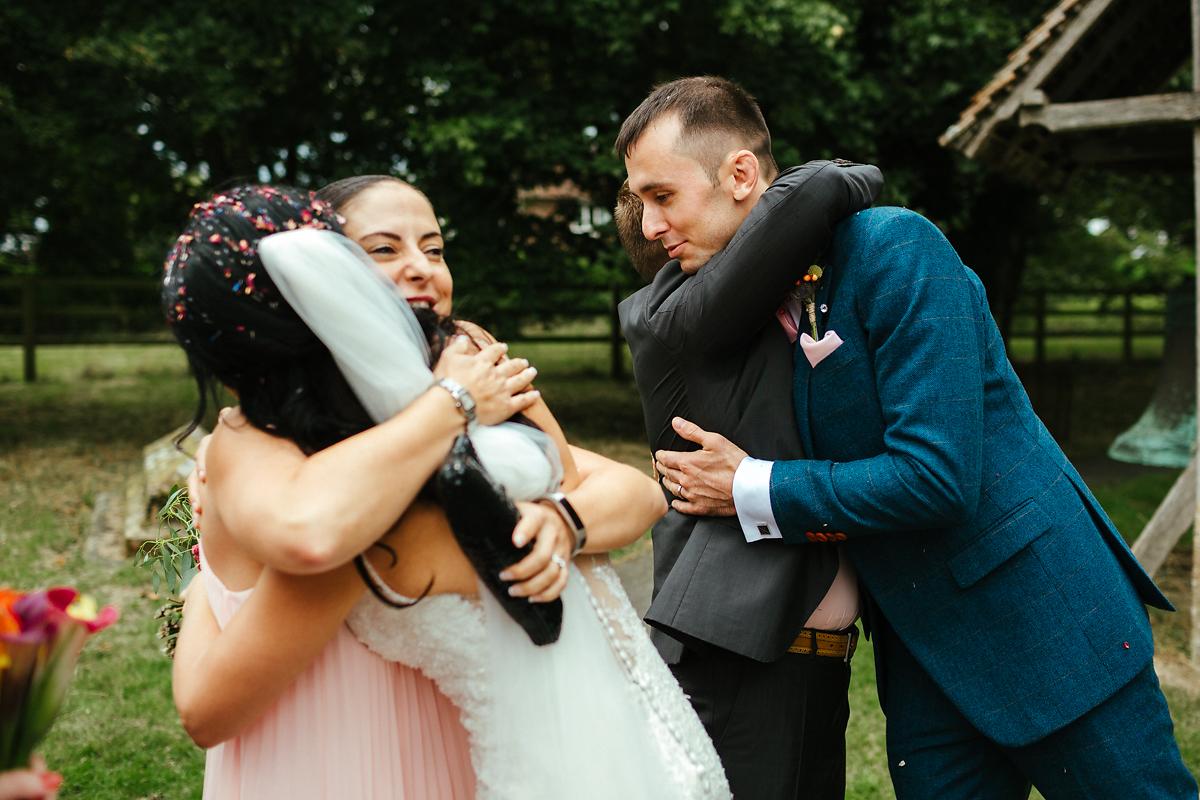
815	351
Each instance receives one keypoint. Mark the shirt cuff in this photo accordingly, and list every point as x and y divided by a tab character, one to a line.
752	500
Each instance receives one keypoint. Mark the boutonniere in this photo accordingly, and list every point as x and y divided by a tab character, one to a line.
816	348
805	292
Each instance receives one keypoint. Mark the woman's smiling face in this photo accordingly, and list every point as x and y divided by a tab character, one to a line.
396	225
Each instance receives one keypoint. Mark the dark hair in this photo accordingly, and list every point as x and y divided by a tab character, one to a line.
339	194
238	331
648	257
710	109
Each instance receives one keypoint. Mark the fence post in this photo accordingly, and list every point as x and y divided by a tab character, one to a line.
1039	329
28	327
616	344
1127	329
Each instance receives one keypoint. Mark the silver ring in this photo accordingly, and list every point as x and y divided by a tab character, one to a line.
558	561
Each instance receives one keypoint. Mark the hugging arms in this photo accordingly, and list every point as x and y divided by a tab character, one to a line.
290	517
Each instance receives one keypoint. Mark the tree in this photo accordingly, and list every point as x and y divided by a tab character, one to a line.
114	119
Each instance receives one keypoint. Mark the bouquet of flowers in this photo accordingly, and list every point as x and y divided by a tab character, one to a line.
41	635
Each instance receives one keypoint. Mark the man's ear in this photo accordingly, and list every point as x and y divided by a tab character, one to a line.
743	171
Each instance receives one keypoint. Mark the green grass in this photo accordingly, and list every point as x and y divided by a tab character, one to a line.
79	431
76	433
1062	348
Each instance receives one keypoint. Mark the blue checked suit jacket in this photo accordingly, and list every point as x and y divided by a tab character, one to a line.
971	531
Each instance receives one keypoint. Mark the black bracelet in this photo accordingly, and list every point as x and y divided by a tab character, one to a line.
570	516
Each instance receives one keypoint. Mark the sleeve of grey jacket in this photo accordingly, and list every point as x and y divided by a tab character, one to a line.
738	290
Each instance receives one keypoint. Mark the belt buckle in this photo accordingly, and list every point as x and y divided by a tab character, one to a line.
851	641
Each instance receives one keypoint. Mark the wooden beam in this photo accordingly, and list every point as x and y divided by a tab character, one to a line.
1125	112
29	327
1170	521
1040	68
1195	638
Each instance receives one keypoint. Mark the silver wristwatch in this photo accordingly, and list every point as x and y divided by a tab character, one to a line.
462	398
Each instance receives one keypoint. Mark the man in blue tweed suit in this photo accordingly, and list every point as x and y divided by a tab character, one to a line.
1011	638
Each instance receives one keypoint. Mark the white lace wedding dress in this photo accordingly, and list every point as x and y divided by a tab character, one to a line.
596	715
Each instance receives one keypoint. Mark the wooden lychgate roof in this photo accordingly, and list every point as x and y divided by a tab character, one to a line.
1083	88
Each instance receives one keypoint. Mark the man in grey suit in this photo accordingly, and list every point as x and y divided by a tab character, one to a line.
760	637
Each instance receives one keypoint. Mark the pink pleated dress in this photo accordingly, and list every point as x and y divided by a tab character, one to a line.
351	726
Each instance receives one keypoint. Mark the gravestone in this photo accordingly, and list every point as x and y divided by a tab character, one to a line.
164	465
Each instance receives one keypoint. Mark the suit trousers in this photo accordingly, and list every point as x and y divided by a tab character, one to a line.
1123	748
779	727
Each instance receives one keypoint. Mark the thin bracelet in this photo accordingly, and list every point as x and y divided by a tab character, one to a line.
563	506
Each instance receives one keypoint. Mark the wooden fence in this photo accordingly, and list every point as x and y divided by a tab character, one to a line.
1113	314
47	311
42	311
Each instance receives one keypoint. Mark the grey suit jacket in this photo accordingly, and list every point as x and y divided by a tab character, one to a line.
707	348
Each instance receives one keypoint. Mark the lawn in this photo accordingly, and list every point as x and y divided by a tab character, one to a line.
79	431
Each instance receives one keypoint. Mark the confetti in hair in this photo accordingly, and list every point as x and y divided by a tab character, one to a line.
227	228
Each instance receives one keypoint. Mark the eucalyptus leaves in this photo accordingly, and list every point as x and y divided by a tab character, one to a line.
172	562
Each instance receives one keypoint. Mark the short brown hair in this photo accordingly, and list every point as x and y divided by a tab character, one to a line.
648	257
709	108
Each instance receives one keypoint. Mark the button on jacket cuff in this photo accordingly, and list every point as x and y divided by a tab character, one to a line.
752	499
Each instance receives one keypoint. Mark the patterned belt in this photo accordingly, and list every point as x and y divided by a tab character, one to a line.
823	643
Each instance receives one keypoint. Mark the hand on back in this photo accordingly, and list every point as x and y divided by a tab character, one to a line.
500	386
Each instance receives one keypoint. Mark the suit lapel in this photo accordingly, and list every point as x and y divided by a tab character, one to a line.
801	372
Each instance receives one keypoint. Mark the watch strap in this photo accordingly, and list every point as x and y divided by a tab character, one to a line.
462	399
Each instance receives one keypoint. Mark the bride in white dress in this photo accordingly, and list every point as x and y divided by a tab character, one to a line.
595	714
621	726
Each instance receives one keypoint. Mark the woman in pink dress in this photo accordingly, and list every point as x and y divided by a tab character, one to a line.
349	725
325	717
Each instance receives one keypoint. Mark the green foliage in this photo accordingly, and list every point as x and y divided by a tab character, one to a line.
114	119
133	114
1143	234
169	558
171	563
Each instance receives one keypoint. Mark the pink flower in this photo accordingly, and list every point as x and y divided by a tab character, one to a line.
37	661
42	614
